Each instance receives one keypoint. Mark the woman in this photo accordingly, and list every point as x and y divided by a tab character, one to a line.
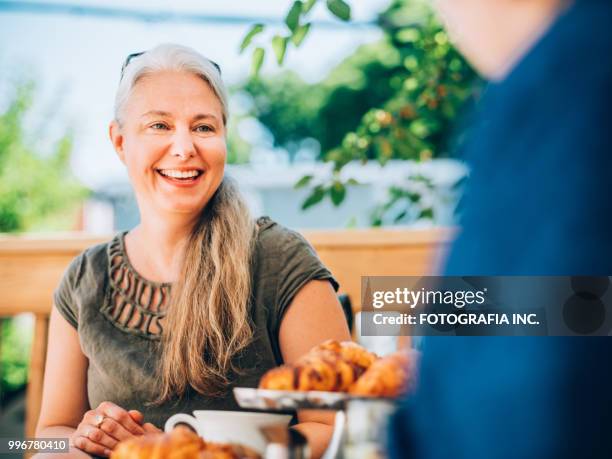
195	300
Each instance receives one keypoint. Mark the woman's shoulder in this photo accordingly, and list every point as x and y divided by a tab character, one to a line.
93	259
283	253
90	266
272	237
81	278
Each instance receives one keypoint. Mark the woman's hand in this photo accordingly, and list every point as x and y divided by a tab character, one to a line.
101	429
147	426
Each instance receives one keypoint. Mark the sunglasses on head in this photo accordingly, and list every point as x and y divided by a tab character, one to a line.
135	55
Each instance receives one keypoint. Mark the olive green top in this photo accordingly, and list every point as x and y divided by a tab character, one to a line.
117	313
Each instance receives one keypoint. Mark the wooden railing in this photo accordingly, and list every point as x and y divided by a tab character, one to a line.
32	265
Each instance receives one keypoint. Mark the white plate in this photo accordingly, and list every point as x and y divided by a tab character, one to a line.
285	400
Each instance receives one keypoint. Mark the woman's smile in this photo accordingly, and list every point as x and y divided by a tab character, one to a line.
181	177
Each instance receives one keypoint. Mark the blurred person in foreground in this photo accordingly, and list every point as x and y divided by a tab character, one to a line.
537	203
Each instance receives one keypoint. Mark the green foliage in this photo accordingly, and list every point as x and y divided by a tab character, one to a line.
279	46
340	9
406	203
304	181
293	16
255	29
16	341
395	99
297	29
293	110
317	195
36	192
336	190
431	83
258	58
299	34
238	149
282	105
33	186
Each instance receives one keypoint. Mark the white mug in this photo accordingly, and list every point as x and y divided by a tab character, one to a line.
241	427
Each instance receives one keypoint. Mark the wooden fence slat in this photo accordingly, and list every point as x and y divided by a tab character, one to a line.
36	374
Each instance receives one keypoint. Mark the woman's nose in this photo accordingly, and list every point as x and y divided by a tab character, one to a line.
182	144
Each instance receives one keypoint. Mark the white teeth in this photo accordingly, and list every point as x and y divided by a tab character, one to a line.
179	174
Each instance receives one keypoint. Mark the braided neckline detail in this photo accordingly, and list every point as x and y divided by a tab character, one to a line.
122	252
134	304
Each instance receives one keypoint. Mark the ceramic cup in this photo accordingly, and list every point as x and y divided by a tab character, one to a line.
230	426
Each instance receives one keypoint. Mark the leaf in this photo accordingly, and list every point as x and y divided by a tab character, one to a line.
399	217
315	197
427	214
340	9
299	34
246	41
304	181
337	193
413	197
352	181
307	6
376	217
257	60
279	45
293	16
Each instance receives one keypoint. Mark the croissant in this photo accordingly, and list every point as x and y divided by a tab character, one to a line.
325	371
181	443
387	377
228	451
280	378
350	352
330	366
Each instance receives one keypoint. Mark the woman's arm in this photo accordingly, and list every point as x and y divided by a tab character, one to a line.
313	316
65	386
65	408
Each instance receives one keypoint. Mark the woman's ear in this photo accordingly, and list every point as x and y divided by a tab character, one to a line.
116	136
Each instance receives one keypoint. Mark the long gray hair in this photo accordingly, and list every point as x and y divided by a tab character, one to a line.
207	321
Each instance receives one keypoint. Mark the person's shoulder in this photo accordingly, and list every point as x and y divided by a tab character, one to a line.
274	237
91	260
80	279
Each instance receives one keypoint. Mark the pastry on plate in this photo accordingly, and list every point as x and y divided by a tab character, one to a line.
181	443
331	366
387	377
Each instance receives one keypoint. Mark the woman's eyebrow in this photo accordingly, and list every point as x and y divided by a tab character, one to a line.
202	116
156	113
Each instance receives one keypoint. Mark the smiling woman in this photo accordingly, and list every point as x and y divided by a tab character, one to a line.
199	297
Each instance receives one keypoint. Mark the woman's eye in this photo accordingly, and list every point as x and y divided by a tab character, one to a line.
204	128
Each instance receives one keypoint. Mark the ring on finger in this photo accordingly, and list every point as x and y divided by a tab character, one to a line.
98	420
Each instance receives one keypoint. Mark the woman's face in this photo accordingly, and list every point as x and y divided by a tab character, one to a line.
172	140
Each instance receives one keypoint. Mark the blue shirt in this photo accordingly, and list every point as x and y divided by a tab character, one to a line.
538	202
